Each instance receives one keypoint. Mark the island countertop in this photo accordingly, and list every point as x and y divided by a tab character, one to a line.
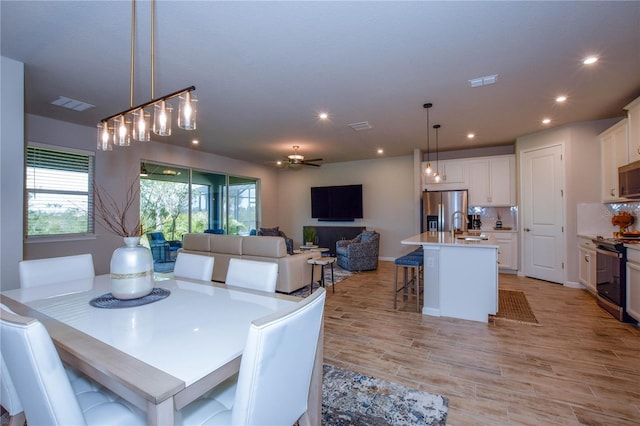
445	239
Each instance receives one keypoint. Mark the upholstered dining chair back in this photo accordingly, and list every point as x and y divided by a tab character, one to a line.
277	364
9	398
252	274
44	387
194	266
53	270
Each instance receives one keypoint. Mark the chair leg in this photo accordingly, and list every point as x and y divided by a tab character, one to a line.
418	287
395	289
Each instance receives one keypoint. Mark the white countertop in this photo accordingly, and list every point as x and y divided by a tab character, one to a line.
445	239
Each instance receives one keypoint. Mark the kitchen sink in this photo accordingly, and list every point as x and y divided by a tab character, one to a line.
480	237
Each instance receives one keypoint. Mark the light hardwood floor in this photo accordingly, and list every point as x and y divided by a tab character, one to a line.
577	366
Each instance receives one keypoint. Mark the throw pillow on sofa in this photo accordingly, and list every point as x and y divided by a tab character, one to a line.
276	232
270	232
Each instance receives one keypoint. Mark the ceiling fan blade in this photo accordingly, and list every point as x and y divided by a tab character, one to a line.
314	159
311	164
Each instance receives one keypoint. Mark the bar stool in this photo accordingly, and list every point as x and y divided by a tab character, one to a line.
414	262
322	261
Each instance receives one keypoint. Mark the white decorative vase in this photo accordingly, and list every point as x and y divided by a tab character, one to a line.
131	270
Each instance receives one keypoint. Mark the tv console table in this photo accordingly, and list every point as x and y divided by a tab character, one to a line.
327	236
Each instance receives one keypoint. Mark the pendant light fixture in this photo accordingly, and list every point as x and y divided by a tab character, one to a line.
436	175
134	122
427	169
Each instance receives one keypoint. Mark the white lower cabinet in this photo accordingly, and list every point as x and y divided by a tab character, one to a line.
507	251
633	283
587	262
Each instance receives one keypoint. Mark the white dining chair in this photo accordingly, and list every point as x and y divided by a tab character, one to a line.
51	395
53	270
194	266
273	383
252	274
9	398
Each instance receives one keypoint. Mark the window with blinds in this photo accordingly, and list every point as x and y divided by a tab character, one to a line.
59	192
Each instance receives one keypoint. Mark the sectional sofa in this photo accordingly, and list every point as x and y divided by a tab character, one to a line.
293	270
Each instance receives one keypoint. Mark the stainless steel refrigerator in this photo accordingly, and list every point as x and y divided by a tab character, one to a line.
438	208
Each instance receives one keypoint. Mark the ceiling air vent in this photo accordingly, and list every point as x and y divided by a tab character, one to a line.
483	81
362	125
71	104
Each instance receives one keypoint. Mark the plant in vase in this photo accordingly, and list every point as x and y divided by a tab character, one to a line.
309	235
131	266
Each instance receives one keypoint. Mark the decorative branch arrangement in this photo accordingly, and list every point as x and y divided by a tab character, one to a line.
112	215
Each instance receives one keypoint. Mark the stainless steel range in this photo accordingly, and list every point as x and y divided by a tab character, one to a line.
611	278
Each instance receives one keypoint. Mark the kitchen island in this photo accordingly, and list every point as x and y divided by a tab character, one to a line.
460	274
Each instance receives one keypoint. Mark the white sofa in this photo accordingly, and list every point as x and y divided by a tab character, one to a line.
293	270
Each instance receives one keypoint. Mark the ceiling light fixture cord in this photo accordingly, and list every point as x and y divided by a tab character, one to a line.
133	50
437	173
153	48
427	169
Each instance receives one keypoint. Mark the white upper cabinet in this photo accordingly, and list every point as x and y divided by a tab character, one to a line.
491	181
614	150
633	117
452	172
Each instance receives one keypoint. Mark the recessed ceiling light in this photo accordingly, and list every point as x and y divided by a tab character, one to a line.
471	136
279	163
561	98
380	151
546	120
590	60
195	142
323	116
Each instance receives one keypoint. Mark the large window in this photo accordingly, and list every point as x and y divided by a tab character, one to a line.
59	191
176	200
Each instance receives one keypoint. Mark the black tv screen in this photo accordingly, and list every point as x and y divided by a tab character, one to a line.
336	203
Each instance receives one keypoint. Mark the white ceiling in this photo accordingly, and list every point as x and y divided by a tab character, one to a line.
263	70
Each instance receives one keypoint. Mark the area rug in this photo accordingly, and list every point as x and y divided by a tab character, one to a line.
339	274
350	398
513	305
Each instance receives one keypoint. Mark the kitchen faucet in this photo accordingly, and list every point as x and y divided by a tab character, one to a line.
453	215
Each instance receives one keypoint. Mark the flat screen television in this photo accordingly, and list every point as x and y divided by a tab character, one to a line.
336	203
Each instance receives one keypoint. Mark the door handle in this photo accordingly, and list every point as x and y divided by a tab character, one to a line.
527	229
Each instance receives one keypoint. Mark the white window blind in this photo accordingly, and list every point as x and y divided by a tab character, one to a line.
59	192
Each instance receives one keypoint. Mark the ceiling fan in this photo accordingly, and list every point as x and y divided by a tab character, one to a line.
295	160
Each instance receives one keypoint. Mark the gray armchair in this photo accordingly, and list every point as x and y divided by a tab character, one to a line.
359	254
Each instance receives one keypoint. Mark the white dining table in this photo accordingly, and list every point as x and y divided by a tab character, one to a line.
159	356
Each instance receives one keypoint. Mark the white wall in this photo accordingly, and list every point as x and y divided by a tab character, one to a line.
387	192
582	176
114	170
11	170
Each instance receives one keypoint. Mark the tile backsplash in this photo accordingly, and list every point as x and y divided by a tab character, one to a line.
489	216
595	218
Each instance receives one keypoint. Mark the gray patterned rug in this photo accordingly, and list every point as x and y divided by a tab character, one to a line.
350	398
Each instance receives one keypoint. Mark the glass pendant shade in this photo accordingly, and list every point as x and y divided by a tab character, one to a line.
437	176
141	126
105	139
427	169
187	112
123	131
162	119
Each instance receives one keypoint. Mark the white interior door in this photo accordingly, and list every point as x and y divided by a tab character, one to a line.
541	178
